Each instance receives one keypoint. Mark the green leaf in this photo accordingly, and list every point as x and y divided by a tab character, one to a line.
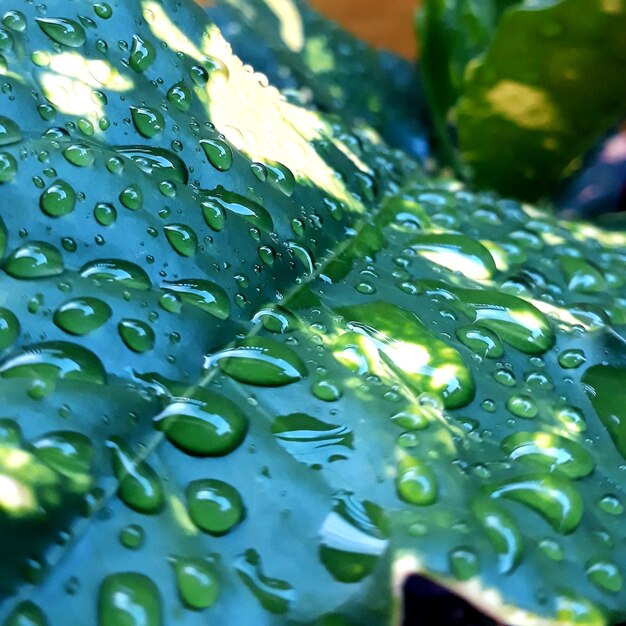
256	368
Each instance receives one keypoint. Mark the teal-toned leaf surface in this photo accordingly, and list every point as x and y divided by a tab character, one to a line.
256	369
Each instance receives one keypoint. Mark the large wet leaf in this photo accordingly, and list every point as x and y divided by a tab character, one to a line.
256	369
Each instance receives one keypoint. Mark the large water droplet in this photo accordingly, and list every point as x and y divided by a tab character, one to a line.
26	614
142	54
416	482
311	440
204	294
552	496
8	167
35	259
148	121
214	506
182	238
81	316
62	30
481	341
197	582
550	451
262	361
250	210
411	351
605	576
180	96
116	270
139	486
9	328
58	199
352	539
204	424
218	152
10	132
129	599
158	162
137	335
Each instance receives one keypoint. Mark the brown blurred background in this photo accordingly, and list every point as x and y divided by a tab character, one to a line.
384	23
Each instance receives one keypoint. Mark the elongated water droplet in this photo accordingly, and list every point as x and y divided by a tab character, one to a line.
139	486
180	96
550	451
26	613
458	253
148	121
35	259
276	319
582	276
158	162
219	153
274	595
197	582
182	238
142	54
281	177
262	361
80	155
58	199
481	341
311	440
502	531
552	496
605	576
116	270
214	506
250	210
103	10
62	30
204	294
204	424
571	359
352	539
129	599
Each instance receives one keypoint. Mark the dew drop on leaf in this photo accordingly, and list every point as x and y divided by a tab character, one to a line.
214	506
129	598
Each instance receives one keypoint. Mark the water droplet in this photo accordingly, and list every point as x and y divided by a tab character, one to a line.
142	54
416	482
80	155
280	177
250	210
502	531
274	595
148	121
132	536
132	197
59	199
455	252
26	614
116	270
62	30
550	451
180	96
552	496
219	153
606	389
214	506
463	563
582	276
44	363
8	167
409	350
522	406
197	582
204	294
605	576
10	132
481	341
182	238
68	453
15	20
204	424
105	214
130	599
139	486
611	504
137	335
312	441
9	328
157	162
276	319
35	259
262	361
103	10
